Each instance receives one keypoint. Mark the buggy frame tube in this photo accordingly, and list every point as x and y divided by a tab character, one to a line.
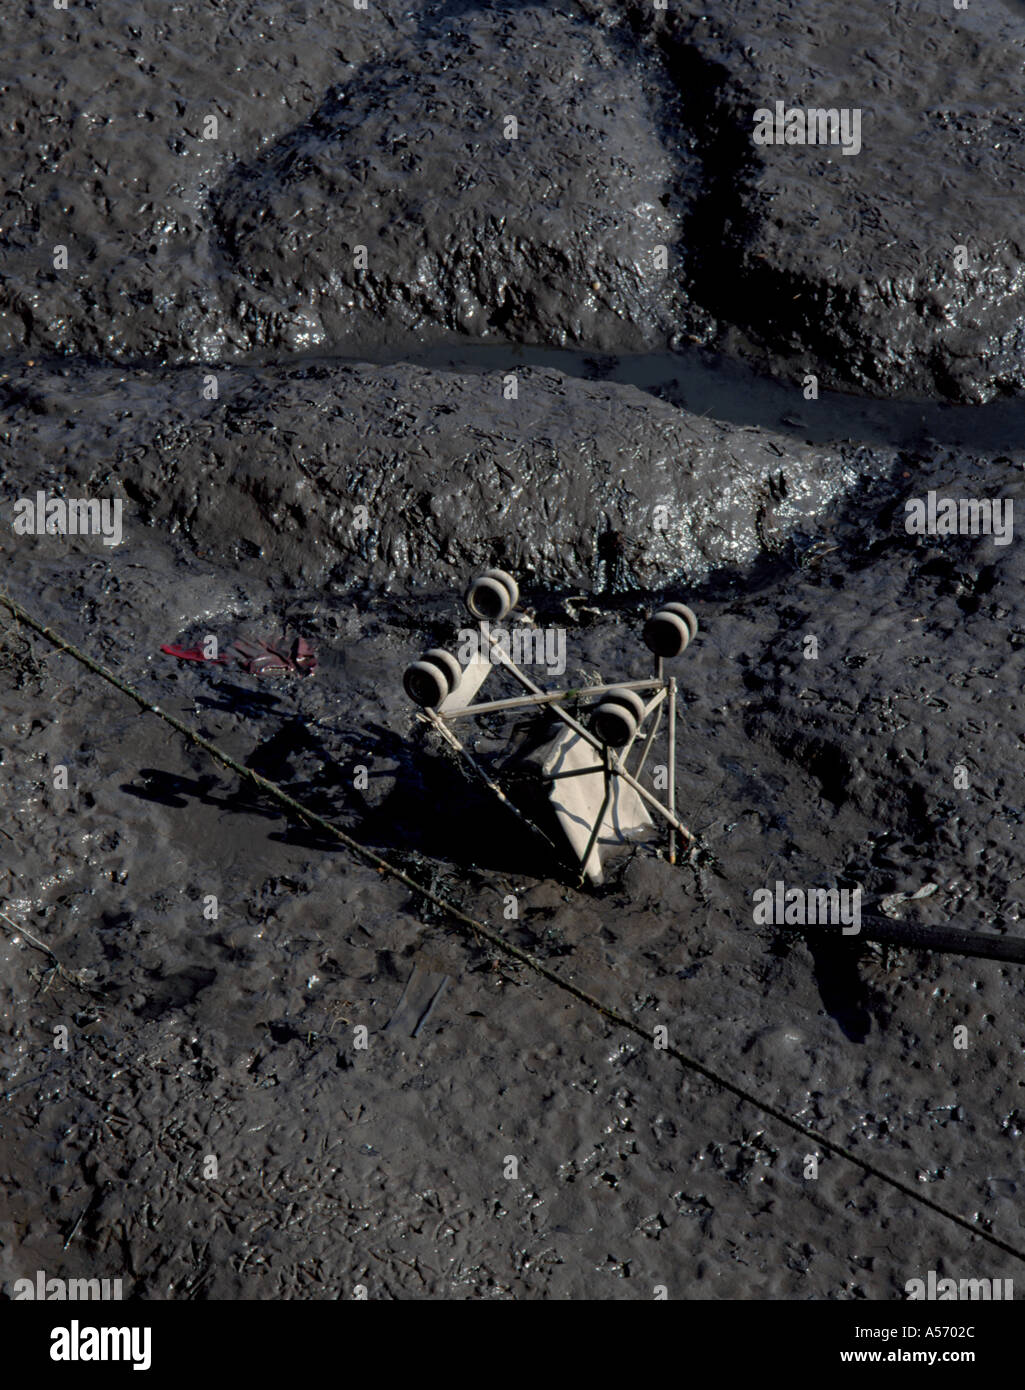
590	738
596	827
671	790
545	698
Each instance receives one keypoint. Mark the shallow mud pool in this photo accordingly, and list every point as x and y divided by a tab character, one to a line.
201	1094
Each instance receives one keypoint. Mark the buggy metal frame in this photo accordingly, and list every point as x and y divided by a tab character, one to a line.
602	783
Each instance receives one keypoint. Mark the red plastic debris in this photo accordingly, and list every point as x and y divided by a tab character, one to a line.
192	654
258	657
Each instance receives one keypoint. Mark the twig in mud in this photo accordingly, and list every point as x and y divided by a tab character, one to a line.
75	1227
24	931
72	976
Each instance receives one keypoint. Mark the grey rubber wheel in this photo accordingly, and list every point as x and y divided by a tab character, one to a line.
425	684
617	718
488	599
682	611
508	581
447	664
666	634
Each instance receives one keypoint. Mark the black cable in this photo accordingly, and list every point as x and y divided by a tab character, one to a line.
493	938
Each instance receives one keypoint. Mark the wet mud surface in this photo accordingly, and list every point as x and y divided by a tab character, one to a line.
620	472
631	210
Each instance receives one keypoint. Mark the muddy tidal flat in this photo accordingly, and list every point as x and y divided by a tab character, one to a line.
318	311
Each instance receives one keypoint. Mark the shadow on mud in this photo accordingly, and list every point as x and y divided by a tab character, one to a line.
389	794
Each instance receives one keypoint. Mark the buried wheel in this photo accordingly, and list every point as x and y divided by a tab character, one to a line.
428	681
446	663
616	720
492	595
508	582
687	614
670	630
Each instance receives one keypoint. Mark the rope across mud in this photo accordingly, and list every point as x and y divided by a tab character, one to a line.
480	931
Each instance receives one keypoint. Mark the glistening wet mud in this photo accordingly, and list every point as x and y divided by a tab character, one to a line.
631	463
234	1037
733	392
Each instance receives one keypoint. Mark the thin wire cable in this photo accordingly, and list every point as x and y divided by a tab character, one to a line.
480	930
